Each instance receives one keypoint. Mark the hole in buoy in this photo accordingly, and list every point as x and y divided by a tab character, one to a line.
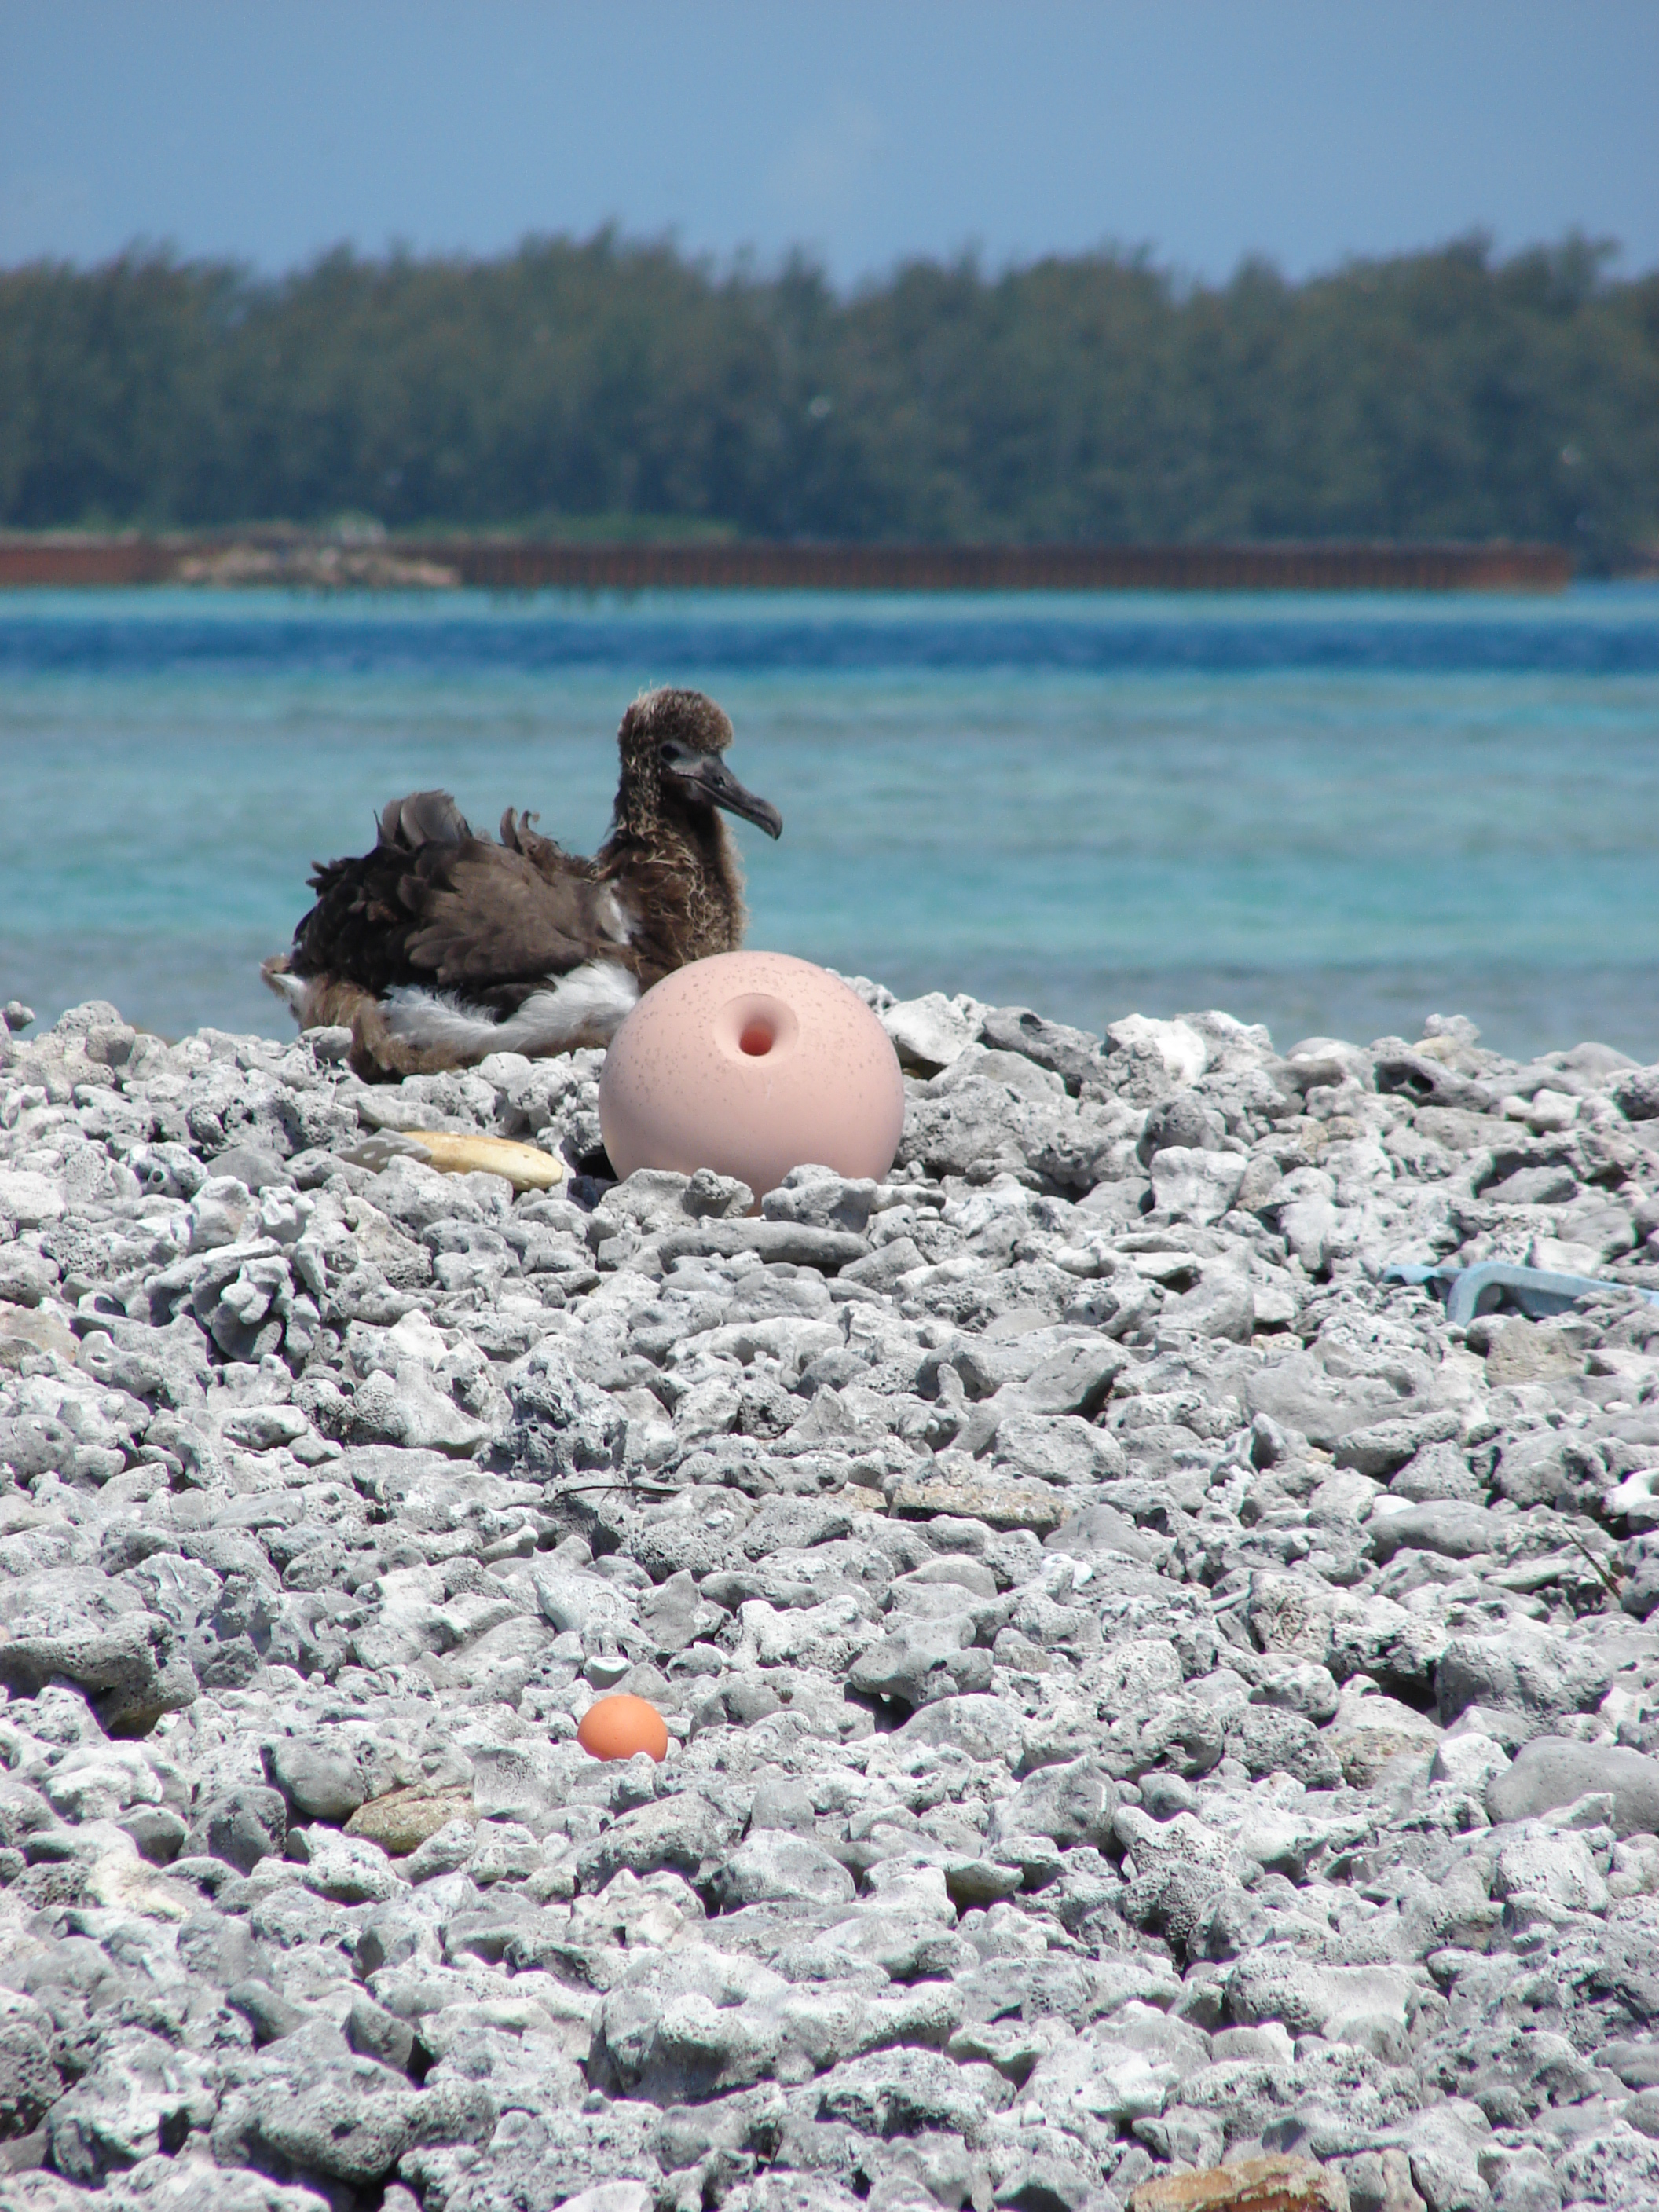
756	1039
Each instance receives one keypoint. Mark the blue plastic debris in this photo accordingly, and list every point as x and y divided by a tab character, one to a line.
1537	1291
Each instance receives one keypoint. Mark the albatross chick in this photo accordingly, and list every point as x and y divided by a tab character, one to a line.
441	945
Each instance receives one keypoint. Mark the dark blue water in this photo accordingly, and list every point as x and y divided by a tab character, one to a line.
1610	633
1334	815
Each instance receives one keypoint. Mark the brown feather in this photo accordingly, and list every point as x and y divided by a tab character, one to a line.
492	917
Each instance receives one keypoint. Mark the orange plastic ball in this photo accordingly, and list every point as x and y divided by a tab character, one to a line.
751	1063
622	1727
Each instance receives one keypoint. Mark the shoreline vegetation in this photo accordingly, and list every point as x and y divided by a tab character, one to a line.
359	559
606	391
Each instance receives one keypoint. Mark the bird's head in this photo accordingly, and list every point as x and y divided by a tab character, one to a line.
673	746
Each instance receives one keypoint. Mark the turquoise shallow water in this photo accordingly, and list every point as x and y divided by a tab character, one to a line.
1333	815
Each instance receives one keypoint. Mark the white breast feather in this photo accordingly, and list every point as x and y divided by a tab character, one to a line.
289	987
614	917
589	1004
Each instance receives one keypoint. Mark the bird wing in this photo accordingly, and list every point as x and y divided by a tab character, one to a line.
545	854
425	818
434	904
358	931
490	915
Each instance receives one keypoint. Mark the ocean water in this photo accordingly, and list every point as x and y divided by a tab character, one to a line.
1334	815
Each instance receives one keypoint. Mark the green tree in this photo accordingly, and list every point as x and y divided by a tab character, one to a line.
601	383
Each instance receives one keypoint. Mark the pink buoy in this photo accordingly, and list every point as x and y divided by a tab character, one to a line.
751	1063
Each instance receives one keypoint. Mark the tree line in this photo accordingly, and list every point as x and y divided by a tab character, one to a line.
604	385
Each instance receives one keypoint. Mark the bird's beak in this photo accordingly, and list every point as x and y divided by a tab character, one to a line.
706	777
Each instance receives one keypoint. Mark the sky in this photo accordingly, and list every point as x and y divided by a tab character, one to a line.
1202	130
